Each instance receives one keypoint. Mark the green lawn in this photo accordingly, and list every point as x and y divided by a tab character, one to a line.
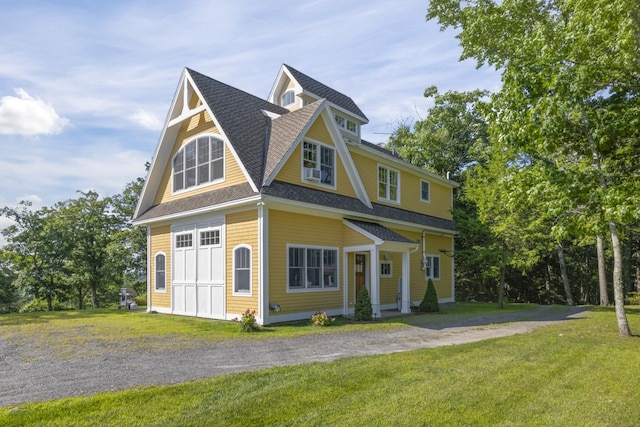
573	374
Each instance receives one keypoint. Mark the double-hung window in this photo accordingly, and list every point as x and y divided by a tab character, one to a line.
199	162
425	191
432	267
388	184
288	98
319	163
242	270
160	268
312	268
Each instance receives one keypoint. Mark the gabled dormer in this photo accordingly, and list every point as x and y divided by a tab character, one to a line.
293	90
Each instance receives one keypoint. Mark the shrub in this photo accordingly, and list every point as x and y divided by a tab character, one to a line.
141	300
363	309
429	303
248	321
322	319
633	298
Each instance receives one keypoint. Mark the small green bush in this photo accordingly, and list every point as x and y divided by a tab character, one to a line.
633	298
322	319
141	300
429	303
363	310
248	322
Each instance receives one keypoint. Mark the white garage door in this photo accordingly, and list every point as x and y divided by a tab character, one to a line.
198	269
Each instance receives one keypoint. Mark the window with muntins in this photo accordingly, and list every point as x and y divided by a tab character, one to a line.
311	268
432	267
184	240
160	261
425	191
210	238
321	159
288	98
242	270
347	124
385	269
388	184
198	162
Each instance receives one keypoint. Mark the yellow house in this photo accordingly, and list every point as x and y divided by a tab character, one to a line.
279	206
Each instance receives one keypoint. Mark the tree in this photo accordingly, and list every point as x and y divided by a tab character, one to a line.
363	309
8	291
429	303
570	99
41	248
91	224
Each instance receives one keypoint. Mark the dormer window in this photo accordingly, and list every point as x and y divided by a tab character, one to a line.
288	98
345	123
199	162
318	163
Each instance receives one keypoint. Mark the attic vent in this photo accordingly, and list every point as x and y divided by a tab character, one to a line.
311	174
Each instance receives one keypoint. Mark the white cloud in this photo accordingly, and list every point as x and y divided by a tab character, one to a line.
25	115
146	119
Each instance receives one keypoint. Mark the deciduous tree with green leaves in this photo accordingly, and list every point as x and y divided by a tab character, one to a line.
570	99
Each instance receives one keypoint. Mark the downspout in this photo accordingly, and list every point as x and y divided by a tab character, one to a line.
424	250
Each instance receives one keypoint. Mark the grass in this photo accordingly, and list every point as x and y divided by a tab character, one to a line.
68	333
576	373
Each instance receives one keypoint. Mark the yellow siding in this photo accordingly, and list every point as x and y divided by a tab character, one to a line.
351	237
242	228
311	231
389	285
292	170
197	125
418	281
160	242
439	206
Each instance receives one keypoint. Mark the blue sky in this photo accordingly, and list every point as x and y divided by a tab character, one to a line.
85	86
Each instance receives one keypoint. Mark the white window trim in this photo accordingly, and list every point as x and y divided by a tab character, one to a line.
321	289
204	230
233	271
155	273
183	233
346	123
285	93
318	161
208	183
427	277
386	276
429	184
380	165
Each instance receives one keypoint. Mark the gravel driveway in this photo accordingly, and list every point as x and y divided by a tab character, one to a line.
24	379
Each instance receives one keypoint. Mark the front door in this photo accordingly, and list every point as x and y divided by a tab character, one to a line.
361	272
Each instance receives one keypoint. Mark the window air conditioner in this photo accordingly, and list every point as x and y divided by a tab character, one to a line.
312	174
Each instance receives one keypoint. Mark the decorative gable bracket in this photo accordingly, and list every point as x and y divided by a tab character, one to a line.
181	110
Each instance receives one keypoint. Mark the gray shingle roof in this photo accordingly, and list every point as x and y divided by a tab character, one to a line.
198	201
324	91
381	232
241	118
324	198
284	131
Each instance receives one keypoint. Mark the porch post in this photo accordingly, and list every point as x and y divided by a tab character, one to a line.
406	291
375	282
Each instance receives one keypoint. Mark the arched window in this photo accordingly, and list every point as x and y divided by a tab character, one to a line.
200	161
242	270
160	267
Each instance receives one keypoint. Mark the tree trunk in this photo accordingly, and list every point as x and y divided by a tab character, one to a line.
565	276
547	283
94	293
503	266
602	272
618	288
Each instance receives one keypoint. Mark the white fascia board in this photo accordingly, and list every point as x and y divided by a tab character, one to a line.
293	146
160	156
224	136
345	156
200	211
404	165
375	239
332	212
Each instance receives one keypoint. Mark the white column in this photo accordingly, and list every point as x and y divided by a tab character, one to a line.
375	282
406	278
